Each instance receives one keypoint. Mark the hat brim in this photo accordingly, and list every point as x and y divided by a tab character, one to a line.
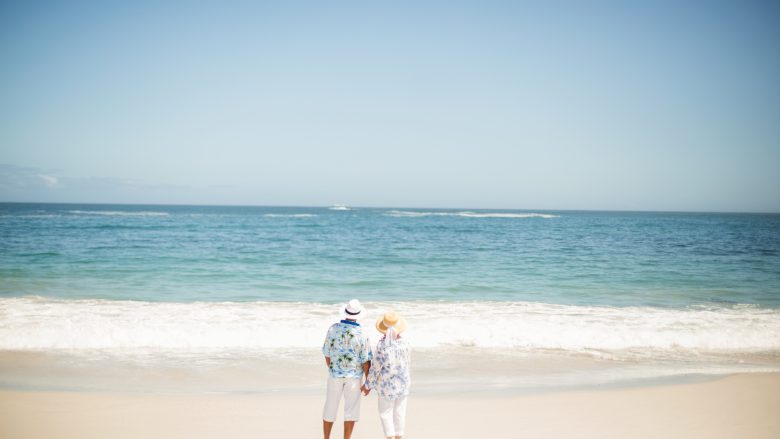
399	327
351	316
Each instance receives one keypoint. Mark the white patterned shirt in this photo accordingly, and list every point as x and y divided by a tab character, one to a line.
348	348
389	373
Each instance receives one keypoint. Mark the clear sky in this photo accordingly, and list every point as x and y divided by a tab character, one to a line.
529	105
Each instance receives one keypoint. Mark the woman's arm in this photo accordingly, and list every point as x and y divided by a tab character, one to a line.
373	373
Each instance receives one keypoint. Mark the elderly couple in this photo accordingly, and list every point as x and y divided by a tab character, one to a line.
348	355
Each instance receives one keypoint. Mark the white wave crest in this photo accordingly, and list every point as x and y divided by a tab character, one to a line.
467	214
291	215
34	323
117	213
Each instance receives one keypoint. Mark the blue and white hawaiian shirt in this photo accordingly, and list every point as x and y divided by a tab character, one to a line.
348	348
389	373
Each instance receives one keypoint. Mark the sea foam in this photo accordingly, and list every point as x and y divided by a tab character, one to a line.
35	323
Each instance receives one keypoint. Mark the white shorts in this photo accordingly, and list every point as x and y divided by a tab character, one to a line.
349	388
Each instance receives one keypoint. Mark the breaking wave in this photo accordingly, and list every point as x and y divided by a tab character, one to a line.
36	323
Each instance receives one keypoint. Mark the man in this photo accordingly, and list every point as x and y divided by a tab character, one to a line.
347	353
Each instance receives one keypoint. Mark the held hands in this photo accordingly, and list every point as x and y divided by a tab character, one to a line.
365	390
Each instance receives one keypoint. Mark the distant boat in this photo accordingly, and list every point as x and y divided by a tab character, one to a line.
340	207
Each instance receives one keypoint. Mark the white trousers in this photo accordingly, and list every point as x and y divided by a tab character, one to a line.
349	388
392	413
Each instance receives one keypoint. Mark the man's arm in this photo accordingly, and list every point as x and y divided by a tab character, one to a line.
326	348
364	387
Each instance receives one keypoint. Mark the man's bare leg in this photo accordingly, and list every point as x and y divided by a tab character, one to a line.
348	426
326	428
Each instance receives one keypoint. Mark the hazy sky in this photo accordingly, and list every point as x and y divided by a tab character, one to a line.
530	105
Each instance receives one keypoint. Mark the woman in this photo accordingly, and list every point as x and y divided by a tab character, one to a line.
389	374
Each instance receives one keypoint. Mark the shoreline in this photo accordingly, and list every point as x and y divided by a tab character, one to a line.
740	405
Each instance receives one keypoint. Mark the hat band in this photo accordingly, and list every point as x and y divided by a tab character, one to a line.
351	313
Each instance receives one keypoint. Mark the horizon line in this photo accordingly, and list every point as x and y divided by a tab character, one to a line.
399	207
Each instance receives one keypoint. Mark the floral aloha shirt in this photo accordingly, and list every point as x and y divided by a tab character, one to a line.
389	373
348	348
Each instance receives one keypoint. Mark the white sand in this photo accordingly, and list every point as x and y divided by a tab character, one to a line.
739	406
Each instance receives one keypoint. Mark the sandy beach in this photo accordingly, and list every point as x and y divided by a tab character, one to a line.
737	406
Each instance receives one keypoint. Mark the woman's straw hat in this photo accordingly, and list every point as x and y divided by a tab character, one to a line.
390	319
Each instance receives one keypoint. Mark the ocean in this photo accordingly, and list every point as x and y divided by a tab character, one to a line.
561	298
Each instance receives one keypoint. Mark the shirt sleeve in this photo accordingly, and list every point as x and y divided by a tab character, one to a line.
373	373
326	344
365	352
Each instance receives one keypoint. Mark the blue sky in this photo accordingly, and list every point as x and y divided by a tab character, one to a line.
527	105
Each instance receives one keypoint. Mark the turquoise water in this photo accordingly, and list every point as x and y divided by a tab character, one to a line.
532	299
202	253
